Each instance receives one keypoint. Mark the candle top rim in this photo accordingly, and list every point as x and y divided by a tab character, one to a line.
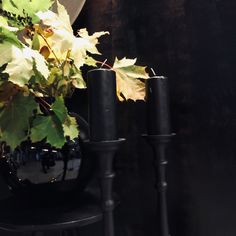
158	77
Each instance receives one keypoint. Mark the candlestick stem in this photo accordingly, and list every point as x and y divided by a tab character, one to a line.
105	152
159	144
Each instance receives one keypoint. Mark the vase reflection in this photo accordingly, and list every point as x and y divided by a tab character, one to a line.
40	164
33	165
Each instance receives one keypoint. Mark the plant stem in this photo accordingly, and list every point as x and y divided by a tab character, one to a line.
45	103
46	106
45	40
65	62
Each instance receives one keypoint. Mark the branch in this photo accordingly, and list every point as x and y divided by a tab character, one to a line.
45	40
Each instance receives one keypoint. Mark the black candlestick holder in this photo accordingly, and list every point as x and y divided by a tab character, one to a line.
105	151
159	144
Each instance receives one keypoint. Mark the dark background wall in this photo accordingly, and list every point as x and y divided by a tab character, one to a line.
193	42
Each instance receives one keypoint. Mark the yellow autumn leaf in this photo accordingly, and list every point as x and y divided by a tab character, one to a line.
20	63
63	40
61	36
83	44
90	41
70	128
128	83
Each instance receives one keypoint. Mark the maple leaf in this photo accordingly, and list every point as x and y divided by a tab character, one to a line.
64	16
78	80
128	83
69	124
54	127
40	62
63	40
26	7
57	20
62	37
8	36
70	128
90	41
4	24
60	109
13	131
49	128
83	44
18	68
20	63
5	53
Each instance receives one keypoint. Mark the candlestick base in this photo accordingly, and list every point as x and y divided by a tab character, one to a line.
159	144
105	151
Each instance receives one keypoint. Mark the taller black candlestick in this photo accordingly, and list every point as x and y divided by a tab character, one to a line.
102	104
103	135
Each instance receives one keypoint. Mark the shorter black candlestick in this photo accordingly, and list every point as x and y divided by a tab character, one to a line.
102	104
159	144
157	98
159	135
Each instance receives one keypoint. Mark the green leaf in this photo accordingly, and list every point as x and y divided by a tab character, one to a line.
90	61
71	128
48	127
60	109
77	79
15	118
35	42
6	50
55	73
3	21
9	36
128	83
26	7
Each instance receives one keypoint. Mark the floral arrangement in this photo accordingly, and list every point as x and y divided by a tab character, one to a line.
40	57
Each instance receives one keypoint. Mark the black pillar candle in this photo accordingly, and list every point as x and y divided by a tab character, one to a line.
102	104
157	98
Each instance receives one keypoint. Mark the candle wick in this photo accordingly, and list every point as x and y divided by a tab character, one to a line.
103	63
153	71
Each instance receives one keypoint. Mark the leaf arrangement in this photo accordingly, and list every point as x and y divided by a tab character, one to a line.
40	59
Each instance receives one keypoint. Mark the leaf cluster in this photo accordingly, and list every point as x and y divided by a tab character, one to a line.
41	63
28	80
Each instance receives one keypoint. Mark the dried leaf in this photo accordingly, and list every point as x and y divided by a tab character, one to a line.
128	83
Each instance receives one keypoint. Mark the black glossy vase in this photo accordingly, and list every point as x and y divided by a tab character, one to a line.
41	171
